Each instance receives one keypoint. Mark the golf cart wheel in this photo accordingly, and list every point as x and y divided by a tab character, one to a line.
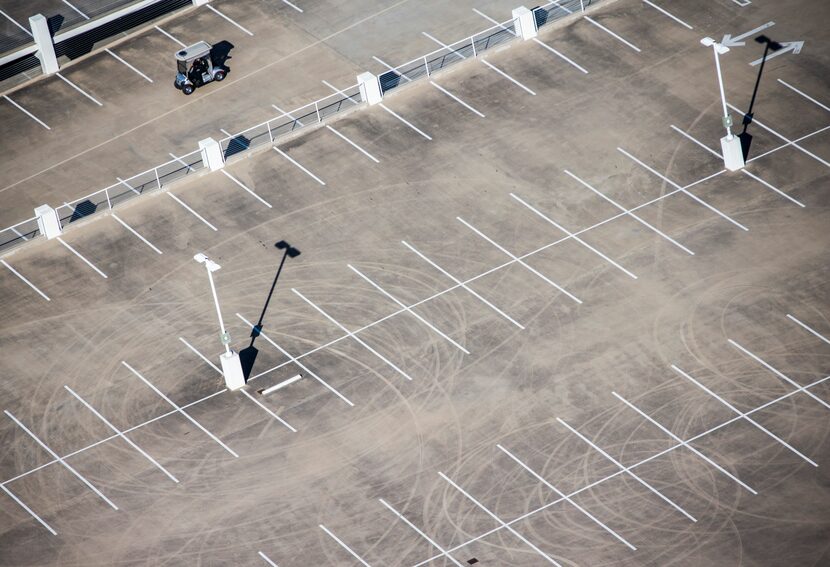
177	85
220	75
187	89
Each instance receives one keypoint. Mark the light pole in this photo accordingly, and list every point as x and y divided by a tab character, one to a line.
733	155
231	365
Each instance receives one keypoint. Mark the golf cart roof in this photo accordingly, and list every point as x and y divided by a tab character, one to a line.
194	51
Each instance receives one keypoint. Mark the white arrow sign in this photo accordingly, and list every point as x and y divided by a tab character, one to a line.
730	41
787	46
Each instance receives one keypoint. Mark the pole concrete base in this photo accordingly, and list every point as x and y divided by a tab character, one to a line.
232	369
733	153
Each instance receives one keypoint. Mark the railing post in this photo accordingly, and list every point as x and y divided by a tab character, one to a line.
317	110
45	48
582	5
158	180
473	43
370	91
270	135
107	193
48	221
211	154
525	23
426	65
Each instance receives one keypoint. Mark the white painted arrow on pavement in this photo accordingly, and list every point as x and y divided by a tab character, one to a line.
787	46
730	41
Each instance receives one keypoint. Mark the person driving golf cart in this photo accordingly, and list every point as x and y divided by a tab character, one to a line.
195	67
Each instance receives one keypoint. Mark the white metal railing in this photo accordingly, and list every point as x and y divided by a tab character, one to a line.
269	131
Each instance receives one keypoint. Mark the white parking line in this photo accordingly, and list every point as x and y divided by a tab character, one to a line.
745	416
268	411
536	39
775	371
238	182
463	285
194	213
29	33
782	146
682	189
29	510
87	262
455	98
27	282
521	262
170	36
393	113
627	470
506	76
265	557
341	93
27	113
789	142
410	311
445	46
121	434
808	97
220	14
284	113
420	533
499	520
293	6
389	67
281	385
180	410
131	229
603	28
76	9
672	16
200	355
743	170
352	335
294	360
129	65
79	89
358	148
574	236
810	329
289	158
344	546
685	444
560	55
62	461
567	499
181	161
128	186
629	213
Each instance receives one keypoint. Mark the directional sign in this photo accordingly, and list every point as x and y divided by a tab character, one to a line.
730	41
786	47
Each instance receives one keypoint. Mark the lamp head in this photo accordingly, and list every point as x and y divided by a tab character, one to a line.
201	258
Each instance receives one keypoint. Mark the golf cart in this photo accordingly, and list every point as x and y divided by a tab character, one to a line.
195	67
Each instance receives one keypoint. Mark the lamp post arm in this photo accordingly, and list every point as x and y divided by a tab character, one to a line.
216	302
720	86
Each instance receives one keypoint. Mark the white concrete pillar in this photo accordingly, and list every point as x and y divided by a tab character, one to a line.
45	47
370	92
232	369
733	153
200	2
525	23
48	221
211	154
